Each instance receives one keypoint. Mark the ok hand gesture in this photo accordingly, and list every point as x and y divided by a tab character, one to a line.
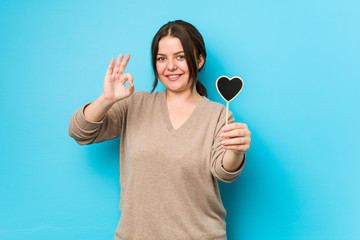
114	83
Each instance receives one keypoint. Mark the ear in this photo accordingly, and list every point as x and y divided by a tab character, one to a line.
201	61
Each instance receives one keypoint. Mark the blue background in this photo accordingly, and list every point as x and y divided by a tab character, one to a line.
300	64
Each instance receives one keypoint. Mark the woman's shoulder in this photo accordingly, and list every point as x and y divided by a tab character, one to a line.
214	106
145	94
143	99
215	110
140	96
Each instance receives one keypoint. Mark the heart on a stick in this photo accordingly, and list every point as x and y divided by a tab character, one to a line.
229	88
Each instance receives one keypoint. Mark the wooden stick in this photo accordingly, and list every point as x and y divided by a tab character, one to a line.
227	112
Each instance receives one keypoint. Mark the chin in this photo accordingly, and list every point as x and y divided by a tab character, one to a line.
178	89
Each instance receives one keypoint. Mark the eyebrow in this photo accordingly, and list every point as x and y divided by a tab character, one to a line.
174	53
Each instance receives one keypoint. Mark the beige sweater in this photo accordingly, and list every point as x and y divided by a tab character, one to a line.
168	177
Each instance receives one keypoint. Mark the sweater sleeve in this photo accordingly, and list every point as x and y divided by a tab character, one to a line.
218	152
85	131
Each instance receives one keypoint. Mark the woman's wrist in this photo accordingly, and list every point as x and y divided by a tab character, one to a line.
104	102
97	110
232	160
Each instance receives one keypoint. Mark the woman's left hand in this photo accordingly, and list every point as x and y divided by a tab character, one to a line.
236	137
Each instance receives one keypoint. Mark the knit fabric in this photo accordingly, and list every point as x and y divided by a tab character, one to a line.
168	176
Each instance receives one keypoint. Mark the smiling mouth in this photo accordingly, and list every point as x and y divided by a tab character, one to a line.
174	77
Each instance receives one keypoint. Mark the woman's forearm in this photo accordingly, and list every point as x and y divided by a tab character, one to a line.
96	111
232	160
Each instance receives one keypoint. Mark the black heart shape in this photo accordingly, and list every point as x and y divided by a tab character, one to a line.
229	88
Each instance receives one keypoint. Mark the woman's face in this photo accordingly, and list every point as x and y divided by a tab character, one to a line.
171	65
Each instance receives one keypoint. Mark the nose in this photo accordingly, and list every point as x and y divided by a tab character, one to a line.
171	65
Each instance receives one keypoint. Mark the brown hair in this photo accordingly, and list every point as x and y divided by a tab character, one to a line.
193	44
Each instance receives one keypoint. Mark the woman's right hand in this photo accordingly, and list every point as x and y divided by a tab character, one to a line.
114	83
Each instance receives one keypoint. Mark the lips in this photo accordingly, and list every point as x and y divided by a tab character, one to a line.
173	77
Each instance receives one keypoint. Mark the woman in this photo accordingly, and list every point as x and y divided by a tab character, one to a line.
174	145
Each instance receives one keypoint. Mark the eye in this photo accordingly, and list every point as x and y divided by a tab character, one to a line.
181	57
160	59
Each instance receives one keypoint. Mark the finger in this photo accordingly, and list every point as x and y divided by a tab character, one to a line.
127	77
110	67
232	126
117	64
130	79
131	88
242	148
235	133
131	84
235	141
124	63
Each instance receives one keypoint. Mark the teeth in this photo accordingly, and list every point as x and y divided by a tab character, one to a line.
173	76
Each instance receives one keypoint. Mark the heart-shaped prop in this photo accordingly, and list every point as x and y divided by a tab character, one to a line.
229	89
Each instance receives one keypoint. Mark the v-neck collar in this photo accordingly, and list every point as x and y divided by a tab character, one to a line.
188	121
